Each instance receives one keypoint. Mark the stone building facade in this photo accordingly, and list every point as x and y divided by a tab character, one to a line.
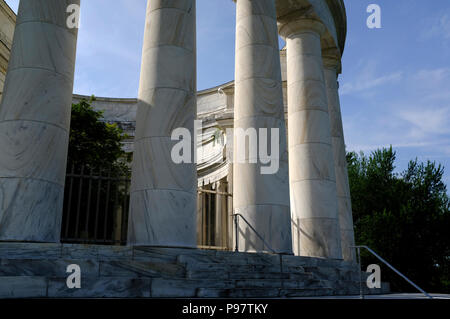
304	209
7	23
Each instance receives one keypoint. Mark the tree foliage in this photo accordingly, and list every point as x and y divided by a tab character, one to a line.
96	190
93	142
405	217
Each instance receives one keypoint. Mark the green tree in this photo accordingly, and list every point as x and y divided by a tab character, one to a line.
96	190
93	142
405	217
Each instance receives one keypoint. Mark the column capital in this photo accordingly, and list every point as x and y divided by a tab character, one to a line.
331	59
331	62
300	24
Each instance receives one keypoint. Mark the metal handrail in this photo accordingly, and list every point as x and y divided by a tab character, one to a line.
236	223
390	266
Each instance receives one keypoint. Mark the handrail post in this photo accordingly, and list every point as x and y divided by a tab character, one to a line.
361	293
253	229
236	229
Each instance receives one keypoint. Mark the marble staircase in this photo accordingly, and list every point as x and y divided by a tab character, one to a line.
39	271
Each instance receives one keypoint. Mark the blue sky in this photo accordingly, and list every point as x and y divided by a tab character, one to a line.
395	86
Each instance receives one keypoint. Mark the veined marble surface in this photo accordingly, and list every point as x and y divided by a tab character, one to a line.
311	164
34	122
32	270
262	199
163	193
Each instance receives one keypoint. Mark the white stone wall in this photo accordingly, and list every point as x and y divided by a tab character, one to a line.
212	105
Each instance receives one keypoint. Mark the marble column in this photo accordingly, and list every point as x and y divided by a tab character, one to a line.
331	65
263	199
34	122
311	164
221	214
163	193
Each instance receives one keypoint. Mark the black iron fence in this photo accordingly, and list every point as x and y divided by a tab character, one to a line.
96	204
96	208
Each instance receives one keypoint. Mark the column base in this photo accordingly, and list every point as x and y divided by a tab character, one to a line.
347	241
30	210
320	237
162	218
272	222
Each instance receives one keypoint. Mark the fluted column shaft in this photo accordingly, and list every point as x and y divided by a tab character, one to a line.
263	199
163	193
34	122
340	161
311	164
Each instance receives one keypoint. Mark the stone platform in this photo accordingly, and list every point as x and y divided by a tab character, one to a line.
39	271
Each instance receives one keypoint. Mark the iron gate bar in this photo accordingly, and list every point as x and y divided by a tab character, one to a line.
80	190
70	202
108	190
89	203
98	205
104	220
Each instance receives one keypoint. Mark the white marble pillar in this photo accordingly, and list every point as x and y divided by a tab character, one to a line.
311	165
163	193
221	214
34	122
263	199
331	65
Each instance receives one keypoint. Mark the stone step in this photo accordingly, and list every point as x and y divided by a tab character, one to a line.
136	269
249	258
226	257
238	293
334	273
290	260
185	288
291	264
23	287
30	250
261	292
308	292
189	287
229	267
39	270
223	266
287	284
46	267
261	275
42	287
211	274
385	289
11	250
112	287
120	287
90	268
156	254
353	288
303	276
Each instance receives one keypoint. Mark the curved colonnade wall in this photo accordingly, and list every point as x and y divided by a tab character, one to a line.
307	71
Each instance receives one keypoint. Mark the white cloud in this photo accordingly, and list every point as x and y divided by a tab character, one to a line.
432	77
427	120
372	147
436	27
360	85
368	79
413	118
426	109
